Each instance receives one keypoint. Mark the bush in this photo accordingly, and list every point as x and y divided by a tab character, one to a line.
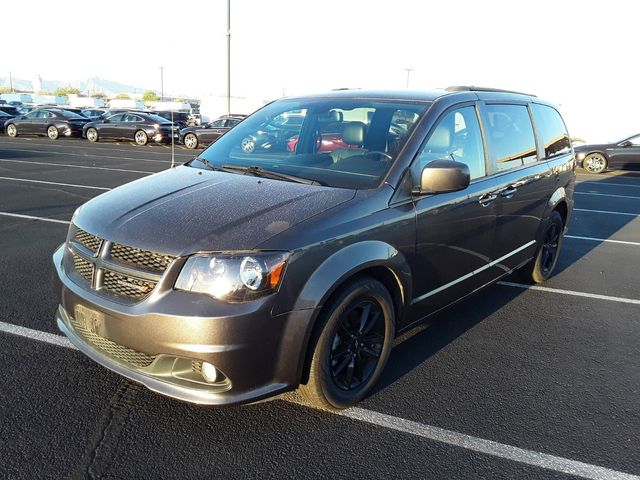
150	96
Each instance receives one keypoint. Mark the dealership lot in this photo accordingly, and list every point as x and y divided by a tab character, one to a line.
513	383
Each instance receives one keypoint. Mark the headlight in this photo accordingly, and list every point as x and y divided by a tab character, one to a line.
233	277
580	156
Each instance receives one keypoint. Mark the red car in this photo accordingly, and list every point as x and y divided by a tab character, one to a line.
328	143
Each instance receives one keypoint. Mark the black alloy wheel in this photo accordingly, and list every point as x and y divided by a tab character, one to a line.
542	266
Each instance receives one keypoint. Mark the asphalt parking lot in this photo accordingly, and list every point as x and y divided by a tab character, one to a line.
517	382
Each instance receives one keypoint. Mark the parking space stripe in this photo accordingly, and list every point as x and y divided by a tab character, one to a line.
53	183
591	239
570	292
605	211
51	338
31	217
611	184
606	195
146	172
437	434
86	155
488	447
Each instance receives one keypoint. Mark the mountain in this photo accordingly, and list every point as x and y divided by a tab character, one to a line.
91	85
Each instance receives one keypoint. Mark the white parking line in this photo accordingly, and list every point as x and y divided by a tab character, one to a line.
85	155
449	437
161	149
605	211
31	217
488	447
75	166
570	292
607	183
605	195
51	338
53	183
591	239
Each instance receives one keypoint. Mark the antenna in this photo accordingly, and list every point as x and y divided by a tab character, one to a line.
173	151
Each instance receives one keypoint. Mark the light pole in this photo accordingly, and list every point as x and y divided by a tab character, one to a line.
228	57
10	82
162	84
408	70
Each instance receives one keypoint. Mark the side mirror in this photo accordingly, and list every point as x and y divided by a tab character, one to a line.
626	143
442	176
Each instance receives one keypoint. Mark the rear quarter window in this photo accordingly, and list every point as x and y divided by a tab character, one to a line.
551	130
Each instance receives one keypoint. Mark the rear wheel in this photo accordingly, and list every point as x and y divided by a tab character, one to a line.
141	138
52	132
541	267
352	347
191	140
92	134
12	130
594	163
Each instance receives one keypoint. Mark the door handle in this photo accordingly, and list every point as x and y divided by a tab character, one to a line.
487	199
508	192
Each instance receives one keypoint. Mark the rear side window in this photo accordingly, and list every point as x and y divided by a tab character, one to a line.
552	130
511	136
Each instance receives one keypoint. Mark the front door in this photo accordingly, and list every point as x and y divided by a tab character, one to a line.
454	230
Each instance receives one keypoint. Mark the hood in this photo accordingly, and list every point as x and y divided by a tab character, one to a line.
186	210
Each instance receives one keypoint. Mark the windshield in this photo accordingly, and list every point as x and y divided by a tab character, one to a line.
348	143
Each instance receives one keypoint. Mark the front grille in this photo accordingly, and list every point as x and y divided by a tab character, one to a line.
113	349
140	258
87	240
83	268
126	286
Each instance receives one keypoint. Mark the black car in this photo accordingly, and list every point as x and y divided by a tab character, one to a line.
95	113
596	158
4	118
239	276
52	122
10	110
274	136
133	126
202	135
180	118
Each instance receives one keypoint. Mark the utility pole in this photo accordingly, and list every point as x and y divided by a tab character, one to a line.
408	70
10	82
162	84
228	57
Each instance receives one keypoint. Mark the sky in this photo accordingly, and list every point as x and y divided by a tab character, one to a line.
579	55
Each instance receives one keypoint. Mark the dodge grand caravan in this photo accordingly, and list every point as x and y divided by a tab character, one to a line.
244	274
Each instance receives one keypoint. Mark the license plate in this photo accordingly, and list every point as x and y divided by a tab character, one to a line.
90	320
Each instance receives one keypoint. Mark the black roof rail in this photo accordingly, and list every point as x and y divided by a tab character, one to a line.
471	88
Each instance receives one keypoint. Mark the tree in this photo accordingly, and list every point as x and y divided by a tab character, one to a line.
65	91
122	96
150	96
5	90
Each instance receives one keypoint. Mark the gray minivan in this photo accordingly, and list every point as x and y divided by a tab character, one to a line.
245	273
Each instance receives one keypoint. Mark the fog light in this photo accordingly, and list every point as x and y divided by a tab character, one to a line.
209	372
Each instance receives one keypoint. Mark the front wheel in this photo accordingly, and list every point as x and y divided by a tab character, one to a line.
141	138
541	267
594	163
12	130
92	134
191	141
350	351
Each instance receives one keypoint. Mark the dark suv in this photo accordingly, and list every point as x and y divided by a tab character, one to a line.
241	275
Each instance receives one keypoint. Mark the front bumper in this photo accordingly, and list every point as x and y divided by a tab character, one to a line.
259	354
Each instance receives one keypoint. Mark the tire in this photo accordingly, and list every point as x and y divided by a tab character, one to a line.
190	141
349	355
248	145
595	163
141	138
541	267
92	134
12	130
52	132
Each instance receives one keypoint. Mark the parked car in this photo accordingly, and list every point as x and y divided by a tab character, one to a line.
624	154
95	113
133	126
52	122
4	118
203	135
237	276
10	110
274	136
180	118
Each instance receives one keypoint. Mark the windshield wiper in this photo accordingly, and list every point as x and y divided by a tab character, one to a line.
261	172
